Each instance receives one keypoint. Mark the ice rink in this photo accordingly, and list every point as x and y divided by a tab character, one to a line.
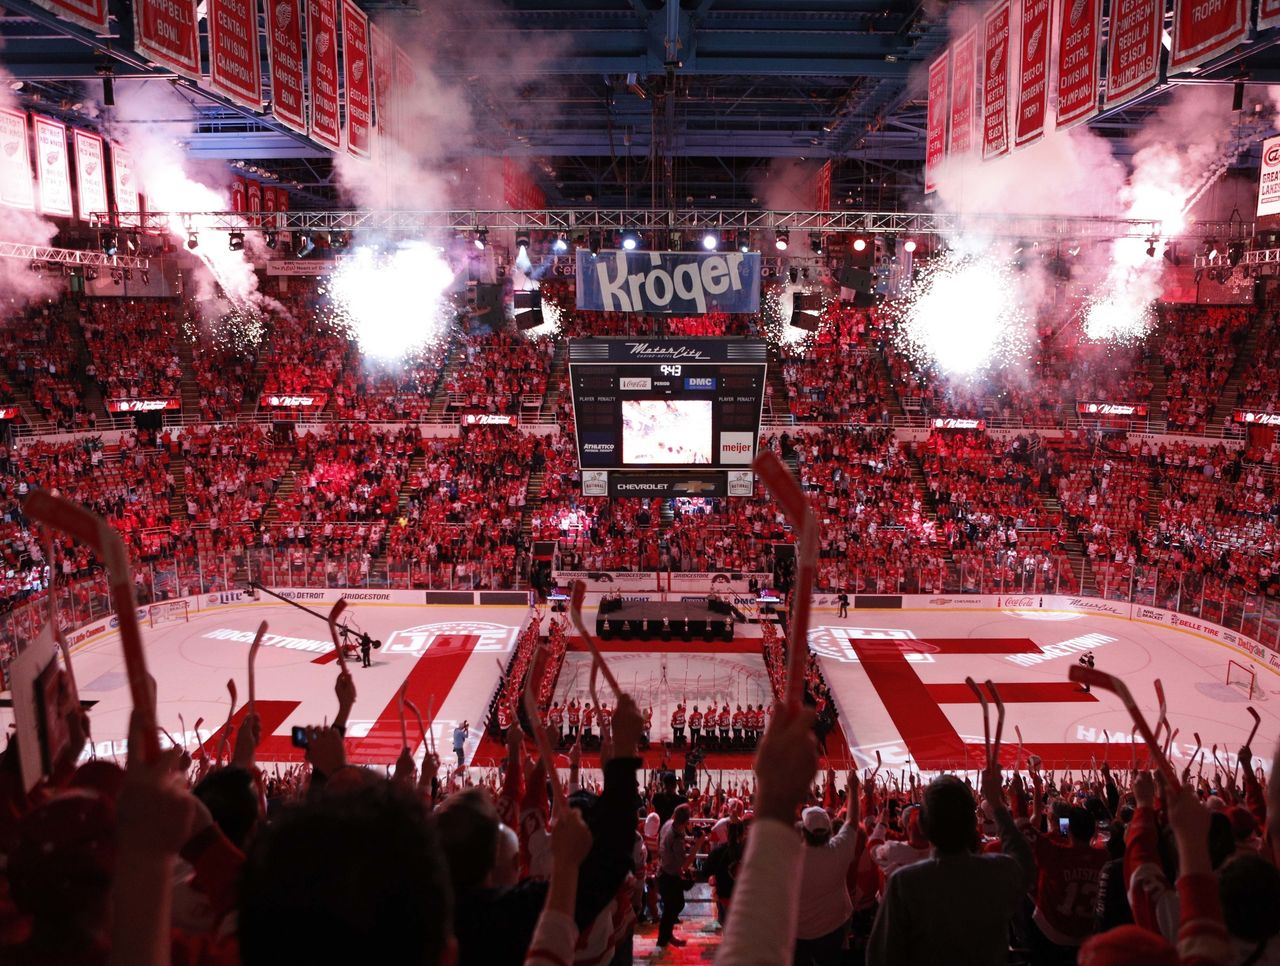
898	680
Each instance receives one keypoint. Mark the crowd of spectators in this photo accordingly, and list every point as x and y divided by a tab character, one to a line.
38	353
1198	347
494	373
132	346
835	375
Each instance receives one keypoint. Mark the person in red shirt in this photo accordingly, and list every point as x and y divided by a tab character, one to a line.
1067	877
556	716
648	726
605	717
588	722
737	720
695	725
725	720
677	725
573	719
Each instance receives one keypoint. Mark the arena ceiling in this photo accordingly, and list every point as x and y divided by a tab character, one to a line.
621	102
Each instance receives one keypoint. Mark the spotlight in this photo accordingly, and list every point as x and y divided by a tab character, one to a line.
90	274
630	241
482	238
909	245
117	276
859	244
522	238
110	243
235	241
1151	247
711	241
1171	254
561	244
193	240
815	242
271	239
744	240
305	246
781	240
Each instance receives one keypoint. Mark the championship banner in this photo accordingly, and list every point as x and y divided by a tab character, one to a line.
355	54
1269	178
1268	13
166	32
1202	30
239	194
1133	51
17	190
268	199
322	37
90	14
405	81
682	283
253	201
995	82
91	173
53	167
284	55
234	67
1033	73
1079	60
935	140
383	53
964	62
124	184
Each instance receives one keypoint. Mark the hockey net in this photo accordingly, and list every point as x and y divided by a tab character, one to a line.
169	610
1244	678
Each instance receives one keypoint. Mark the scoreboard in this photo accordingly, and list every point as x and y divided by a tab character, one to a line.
667	404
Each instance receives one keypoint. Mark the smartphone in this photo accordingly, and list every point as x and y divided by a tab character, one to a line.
299	736
1064	825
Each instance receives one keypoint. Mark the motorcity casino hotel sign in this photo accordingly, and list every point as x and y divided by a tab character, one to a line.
679	283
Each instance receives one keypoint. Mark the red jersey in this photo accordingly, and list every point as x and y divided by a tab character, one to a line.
606	717
677	718
737	720
504	716
725	718
695	720
573	714
588	716
1066	886
557	716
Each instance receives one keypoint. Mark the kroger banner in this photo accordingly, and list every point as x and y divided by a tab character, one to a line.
682	283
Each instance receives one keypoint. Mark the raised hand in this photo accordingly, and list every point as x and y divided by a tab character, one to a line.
786	762
325	750
247	740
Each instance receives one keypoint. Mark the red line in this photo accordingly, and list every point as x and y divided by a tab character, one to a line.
1013	692
429	682
957	645
929	736
273	747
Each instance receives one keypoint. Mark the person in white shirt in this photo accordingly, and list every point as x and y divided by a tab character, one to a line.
825	906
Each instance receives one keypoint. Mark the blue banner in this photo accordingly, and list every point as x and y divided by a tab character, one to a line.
678	283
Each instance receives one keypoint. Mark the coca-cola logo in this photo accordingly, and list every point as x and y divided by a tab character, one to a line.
284	15
1019	602
1033	44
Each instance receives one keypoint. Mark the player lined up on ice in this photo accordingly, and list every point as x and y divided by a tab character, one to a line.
720	728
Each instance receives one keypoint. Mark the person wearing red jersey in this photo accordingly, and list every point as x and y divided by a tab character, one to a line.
605	717
648	726
556	717
504	716
588	722
737	720
573	715
724	722
695	725
1068	871
677	724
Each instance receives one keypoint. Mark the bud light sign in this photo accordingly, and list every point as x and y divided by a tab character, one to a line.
682	283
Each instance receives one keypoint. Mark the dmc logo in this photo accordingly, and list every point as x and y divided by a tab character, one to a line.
700	382
1272	156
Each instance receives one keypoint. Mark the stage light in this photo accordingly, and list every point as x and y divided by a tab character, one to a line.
271	239
1171	254
235	241
305	246
117	276
781	240
193	240
522	238
859	244
630	241
1151	247
909	245
110	243
482	238
744	240
561	244
815	242
711	241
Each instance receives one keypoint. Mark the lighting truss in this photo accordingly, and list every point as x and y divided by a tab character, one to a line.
70	256
658	220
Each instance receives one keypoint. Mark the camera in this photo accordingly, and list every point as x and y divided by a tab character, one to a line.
299	736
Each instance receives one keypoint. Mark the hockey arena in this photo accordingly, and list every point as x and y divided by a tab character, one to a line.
632	482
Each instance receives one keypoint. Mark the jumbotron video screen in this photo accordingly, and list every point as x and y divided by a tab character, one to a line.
667	403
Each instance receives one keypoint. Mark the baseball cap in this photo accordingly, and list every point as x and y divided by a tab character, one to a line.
815	819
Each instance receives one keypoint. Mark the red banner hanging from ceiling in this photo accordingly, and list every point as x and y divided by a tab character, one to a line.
383	54
995	82
166	32
239	194
322	43
935	140
53	166
1033	72
355	53
1268	13
1133	50
1079	60
284	54
124	184
1203	29
90	14
406	80
234	67
17	189
964	60
91	173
